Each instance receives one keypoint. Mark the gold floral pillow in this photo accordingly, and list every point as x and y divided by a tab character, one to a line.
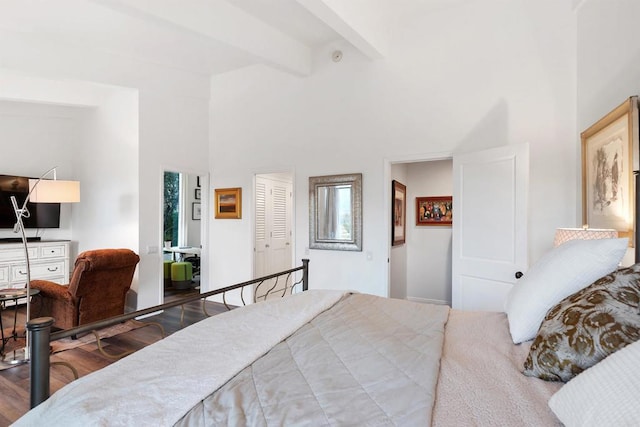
587	326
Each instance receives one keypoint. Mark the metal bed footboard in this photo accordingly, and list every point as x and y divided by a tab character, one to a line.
41	336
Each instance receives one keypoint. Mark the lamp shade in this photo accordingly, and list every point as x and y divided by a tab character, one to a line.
565	234
54	191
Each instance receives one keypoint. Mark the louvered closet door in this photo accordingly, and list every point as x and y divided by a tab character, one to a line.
280	247
261	241
273	230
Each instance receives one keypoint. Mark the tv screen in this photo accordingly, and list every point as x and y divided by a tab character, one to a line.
43	215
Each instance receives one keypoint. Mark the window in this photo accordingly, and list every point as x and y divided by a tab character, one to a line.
171	207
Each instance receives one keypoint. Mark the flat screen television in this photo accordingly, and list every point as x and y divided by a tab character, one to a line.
43	215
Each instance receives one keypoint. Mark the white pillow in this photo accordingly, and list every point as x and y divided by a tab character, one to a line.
607	394
561	272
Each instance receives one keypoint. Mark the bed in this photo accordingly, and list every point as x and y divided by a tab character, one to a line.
340	358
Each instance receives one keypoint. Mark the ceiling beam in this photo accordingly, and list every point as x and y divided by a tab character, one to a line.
227	24
365	24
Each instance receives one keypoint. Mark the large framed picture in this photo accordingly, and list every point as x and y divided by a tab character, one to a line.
434	210
399	213
228	203
607	170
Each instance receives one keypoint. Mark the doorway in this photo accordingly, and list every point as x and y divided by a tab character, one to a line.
420	269
487	242
182	233
273	233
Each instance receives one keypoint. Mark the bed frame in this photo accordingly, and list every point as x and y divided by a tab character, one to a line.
40	333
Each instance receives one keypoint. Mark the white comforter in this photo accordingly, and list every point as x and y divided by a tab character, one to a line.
159	384
481	381
316	358
368	361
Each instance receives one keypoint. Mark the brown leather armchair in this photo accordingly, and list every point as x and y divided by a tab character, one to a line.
98	288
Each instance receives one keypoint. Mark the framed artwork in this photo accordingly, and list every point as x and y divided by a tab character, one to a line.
434	210
198	194
198	181
399	213
228	203
196	211
607	170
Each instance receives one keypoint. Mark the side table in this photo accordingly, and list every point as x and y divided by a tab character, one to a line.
12	295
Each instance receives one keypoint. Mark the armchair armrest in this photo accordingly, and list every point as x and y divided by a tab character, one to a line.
52	290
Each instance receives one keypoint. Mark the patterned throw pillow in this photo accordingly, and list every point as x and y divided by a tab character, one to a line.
587	326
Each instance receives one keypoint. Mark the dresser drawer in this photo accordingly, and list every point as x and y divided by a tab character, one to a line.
4	275
49	260
17	254
38	271
52	251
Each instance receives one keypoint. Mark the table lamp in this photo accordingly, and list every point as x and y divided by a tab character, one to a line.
585	233
41	190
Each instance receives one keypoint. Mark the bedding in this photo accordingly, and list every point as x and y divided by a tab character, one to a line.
316	358
160	383
587	326
481	381
367	361
559	273
606	395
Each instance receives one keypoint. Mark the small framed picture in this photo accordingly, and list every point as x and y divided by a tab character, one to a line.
198	181
399	213
228	203
196	211
198	193
434	210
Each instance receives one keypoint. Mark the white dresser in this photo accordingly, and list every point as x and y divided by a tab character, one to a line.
49	260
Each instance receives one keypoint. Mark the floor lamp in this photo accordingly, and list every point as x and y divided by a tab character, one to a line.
41	190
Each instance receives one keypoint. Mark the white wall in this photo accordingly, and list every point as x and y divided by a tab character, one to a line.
106	164
608	66
428	247
173	125
608	57
398	254
472	75
37	137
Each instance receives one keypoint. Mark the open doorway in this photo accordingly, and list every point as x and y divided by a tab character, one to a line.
487	242
181	234
273	232
420	268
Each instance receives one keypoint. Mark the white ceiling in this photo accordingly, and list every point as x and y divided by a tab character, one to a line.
209	36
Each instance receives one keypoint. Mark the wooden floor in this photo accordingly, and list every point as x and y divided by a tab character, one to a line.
14	382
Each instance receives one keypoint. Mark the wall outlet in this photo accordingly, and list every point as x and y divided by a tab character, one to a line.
152	249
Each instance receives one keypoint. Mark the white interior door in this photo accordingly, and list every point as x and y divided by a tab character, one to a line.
273	250
490	198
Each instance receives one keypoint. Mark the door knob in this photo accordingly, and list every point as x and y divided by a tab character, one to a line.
519	274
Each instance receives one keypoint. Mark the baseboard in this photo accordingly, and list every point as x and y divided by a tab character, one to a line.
429	301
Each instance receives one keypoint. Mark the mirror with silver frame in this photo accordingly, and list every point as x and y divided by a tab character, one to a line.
335	212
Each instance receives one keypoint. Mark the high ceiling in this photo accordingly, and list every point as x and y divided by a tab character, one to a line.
208	36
